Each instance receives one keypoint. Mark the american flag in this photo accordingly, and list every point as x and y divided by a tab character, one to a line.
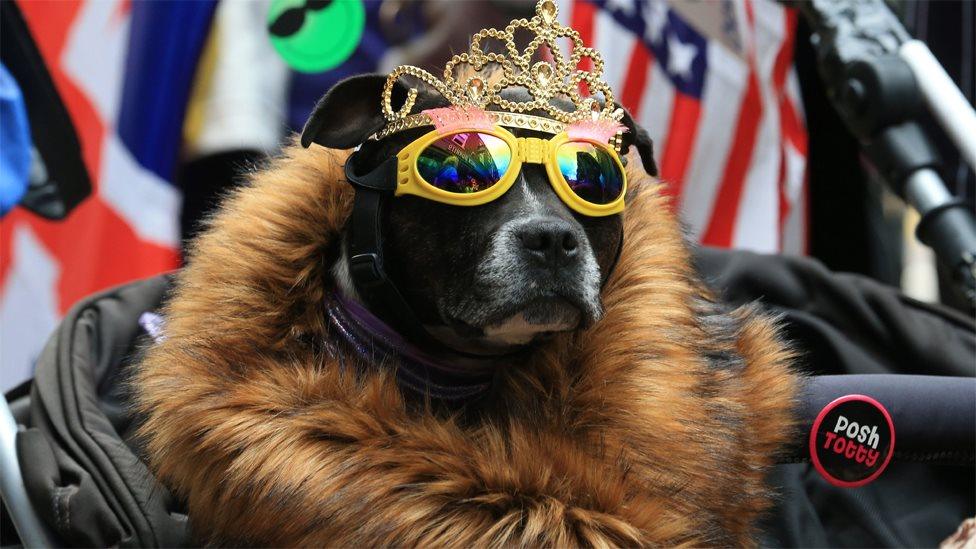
714	85
126	96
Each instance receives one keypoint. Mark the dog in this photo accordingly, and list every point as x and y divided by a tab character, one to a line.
485	279
625	405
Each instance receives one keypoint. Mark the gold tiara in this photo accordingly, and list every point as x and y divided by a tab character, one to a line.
476	79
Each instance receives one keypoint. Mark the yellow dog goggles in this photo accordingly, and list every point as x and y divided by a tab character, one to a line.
470	167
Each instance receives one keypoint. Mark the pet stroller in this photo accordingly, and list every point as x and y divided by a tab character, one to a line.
73	475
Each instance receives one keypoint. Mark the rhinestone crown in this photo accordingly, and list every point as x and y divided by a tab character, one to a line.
540	68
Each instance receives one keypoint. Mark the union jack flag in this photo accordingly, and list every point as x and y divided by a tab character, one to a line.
126	95
714	85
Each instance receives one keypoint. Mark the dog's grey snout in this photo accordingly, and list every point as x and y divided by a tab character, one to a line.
551	241
544	277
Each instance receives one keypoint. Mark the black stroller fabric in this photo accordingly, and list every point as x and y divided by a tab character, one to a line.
848	324
845	323
87	481
83	478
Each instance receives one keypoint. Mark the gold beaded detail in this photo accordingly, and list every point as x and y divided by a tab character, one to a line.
543	77
522	121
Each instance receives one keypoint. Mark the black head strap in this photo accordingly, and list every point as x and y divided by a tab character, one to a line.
381	179
616	259
365	250
365	254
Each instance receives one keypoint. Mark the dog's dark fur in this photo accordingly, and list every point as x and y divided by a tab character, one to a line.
653	426
469	270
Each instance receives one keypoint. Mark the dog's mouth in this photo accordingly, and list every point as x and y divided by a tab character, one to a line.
542	316
515	325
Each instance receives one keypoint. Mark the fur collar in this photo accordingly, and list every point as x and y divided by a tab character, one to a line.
653	427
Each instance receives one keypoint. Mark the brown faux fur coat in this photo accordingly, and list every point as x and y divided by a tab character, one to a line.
654	427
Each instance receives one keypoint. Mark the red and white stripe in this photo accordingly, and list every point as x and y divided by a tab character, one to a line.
127	229
735	160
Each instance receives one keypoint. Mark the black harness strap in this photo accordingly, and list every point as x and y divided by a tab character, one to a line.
365	254
366	250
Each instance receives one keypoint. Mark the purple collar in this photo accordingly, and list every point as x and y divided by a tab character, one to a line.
375	342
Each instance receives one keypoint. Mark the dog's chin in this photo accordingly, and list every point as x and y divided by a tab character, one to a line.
534	321
540	317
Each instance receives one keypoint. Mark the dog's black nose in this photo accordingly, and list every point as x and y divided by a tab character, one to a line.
551	240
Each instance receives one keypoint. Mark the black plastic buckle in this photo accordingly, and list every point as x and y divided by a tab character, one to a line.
366	270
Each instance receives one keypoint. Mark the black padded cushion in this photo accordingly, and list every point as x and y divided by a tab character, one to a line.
84	480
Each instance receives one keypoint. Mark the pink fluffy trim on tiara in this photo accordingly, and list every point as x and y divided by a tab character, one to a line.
597	130
456	118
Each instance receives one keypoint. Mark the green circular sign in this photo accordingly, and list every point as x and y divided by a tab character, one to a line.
316	35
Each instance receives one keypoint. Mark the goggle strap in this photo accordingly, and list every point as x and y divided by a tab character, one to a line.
382	179
365	253
366	246
366	265
616	259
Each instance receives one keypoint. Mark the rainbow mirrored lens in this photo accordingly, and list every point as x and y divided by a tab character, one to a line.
591	171
465	162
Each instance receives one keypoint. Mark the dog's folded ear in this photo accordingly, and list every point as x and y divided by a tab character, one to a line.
639	138
350	112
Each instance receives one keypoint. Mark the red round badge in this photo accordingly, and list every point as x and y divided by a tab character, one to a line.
852	441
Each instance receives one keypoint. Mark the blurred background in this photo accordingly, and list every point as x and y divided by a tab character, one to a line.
124	121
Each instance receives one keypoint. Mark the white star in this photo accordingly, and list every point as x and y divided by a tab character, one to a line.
626	6
655	14
680	57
